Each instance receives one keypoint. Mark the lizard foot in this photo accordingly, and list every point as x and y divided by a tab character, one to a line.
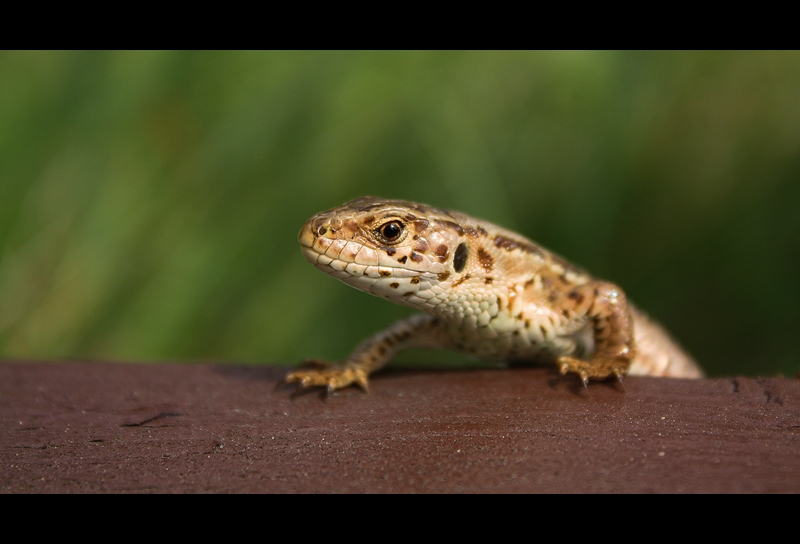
332	377
594	370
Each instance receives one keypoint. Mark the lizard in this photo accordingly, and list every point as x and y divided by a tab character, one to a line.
484	290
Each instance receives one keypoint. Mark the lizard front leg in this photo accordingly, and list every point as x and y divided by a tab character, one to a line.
417	331
606	308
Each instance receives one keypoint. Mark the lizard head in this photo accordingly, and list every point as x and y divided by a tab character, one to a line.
390	248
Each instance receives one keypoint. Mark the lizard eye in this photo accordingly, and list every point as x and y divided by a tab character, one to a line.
391	231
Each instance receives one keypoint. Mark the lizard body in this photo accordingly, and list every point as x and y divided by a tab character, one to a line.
485	291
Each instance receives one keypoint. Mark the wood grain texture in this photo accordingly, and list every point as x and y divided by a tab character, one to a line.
94	427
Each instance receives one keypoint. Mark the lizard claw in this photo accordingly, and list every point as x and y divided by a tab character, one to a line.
332	377
590	370
618	374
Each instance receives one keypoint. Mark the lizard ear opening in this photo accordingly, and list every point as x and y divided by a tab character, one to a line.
460	257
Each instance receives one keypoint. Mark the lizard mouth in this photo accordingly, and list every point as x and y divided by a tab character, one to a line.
383	272
333	249
334	265
401	285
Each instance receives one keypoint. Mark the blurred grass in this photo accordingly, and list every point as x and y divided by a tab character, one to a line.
150	201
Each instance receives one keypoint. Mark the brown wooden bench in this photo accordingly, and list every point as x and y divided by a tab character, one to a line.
188	428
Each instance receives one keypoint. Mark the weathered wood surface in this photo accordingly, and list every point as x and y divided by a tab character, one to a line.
92	427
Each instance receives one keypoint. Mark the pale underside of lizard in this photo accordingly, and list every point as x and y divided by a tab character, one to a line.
485	291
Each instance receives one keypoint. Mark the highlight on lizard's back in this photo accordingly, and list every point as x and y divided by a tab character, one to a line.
485	291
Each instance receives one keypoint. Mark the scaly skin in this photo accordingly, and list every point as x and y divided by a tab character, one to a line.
486	291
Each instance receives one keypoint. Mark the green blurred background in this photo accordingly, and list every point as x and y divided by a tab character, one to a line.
150	201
